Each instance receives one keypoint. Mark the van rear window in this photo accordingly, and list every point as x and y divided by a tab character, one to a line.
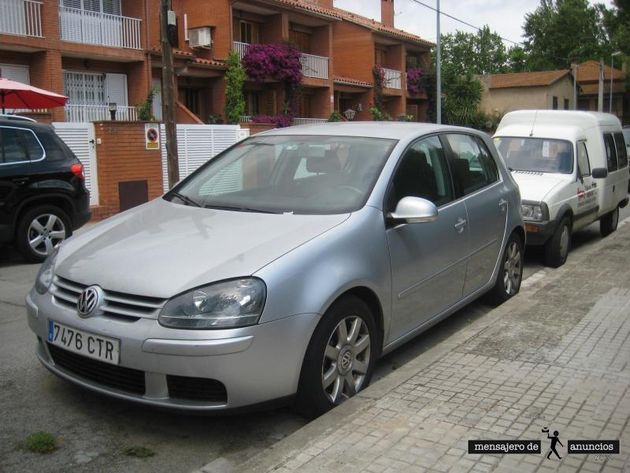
622	153
536	154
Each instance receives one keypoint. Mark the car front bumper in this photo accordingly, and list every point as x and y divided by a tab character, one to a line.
180	368
539	232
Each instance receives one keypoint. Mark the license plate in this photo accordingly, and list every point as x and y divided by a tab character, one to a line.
84	343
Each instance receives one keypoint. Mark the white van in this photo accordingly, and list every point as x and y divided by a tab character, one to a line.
572	169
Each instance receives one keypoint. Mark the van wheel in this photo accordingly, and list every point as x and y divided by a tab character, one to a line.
608	223
557	247
510	272
340	357
40	230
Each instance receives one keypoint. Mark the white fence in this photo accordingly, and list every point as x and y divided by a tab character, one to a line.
96	113
196	144
240	48
84	26
314	66
21	17
308	121
393	78
80	139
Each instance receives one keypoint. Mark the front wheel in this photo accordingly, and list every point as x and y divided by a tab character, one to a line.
608	223
557	247
511	272
340	357
40	230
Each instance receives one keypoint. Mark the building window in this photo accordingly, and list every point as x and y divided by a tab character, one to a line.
111	7
566	104
248	32
84	88
554	103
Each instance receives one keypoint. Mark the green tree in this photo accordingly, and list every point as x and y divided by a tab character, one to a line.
461	101
473	53
617	24
234	79
517	59
560	32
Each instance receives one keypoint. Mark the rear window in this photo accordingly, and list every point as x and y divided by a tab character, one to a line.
611	152
622	153
19	145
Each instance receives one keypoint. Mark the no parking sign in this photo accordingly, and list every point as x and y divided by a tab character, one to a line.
151	136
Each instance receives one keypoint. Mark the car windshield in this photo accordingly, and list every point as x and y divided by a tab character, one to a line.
536	154
298	174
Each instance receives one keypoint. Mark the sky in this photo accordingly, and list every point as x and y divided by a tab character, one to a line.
506	17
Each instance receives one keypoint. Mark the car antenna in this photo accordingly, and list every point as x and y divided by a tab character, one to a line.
531	133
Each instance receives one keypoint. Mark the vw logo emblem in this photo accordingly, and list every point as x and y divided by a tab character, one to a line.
89	301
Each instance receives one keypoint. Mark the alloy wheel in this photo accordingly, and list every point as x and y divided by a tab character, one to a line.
346	359
513	268
45	232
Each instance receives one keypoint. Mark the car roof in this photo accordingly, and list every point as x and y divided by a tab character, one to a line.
22	123
387	130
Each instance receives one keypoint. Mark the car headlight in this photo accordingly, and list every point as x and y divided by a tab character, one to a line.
227	304
533	212
46	273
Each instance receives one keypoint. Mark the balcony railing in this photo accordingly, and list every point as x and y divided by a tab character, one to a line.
240	48
314	66
21	17
84	26
392	78
95	113
308	121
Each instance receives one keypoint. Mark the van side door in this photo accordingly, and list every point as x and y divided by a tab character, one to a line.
608	186
621	191
587	202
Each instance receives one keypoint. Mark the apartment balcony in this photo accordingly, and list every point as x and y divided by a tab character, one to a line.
312	66
21	18
96	113
88	27
393	78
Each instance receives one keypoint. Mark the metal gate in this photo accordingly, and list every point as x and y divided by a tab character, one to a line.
80	138
197	144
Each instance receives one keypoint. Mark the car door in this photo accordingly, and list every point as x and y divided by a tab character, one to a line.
428	260
586	204
485	196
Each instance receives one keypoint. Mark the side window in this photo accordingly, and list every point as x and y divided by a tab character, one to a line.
473	166
622	152
423	172
611	153
584	167
19	145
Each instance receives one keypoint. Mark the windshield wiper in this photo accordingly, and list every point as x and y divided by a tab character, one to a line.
185	199
240	209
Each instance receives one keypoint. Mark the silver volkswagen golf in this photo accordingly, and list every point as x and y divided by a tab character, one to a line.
283	268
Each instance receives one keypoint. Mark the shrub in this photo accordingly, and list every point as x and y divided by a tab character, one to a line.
281	121
234	79
415	81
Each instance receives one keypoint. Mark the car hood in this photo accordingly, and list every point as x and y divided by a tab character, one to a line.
535	186
161	249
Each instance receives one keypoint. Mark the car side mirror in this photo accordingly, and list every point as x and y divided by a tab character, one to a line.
414	210
599	173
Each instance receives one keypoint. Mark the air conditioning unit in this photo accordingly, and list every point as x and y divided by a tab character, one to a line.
200	37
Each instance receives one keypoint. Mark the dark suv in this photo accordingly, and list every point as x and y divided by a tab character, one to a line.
43	197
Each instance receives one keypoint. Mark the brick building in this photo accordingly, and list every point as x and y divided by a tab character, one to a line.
107	51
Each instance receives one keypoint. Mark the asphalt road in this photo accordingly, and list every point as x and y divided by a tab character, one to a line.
93	432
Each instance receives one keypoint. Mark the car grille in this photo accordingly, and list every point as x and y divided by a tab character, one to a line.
116	304
196	389
117	377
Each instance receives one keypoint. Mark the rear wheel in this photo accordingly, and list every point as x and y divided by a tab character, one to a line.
340	357
40	230
557	247
511	272
608	223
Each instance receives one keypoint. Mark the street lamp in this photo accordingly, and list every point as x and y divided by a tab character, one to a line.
612	58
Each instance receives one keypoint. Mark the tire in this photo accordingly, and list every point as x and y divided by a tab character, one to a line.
509	279
40	230
608	223
558	246
337	364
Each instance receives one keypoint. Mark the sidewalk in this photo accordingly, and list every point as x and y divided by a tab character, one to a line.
555	356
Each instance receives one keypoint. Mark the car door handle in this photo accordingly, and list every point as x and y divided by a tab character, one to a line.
19	181
503	205
460	225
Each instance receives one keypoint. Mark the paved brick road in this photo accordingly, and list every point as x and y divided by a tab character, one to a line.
555	356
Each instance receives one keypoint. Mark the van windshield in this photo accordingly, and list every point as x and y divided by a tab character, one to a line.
536	154
297	174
